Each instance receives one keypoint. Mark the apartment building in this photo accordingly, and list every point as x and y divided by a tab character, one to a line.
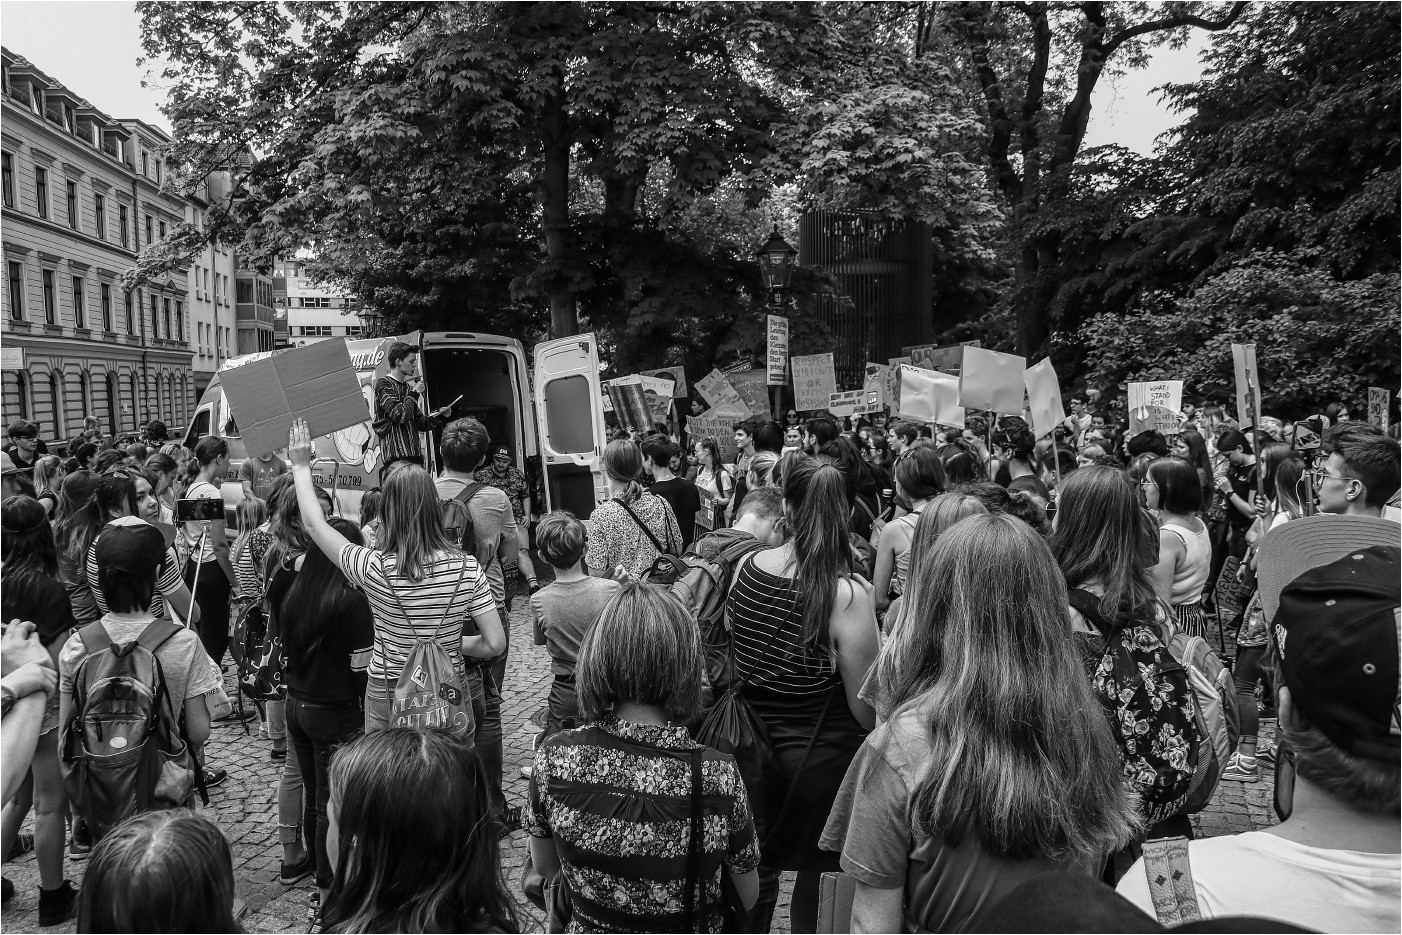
83	194
313	312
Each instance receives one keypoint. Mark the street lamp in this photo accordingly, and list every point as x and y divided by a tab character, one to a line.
776	262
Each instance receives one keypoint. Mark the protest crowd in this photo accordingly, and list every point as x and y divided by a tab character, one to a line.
970	674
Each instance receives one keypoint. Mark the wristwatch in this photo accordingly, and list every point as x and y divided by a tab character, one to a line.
7	699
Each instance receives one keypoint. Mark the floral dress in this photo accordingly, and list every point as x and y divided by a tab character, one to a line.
615	796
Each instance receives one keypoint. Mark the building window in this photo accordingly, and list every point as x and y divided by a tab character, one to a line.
162	224
73	204
150	239
134	397
50	299
7	161
130	314
179	320
57	395
158	172
165	315
99	205
122	223
41	186
78	310
106	307
145	165
155	319
16	272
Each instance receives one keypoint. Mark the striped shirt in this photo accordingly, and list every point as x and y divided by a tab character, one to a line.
168	580
438	597
759	605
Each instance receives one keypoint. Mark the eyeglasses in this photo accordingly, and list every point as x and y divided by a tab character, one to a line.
1321	477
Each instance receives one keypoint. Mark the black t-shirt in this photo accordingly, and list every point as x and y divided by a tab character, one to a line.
29	595
325	675
681	494
1243	481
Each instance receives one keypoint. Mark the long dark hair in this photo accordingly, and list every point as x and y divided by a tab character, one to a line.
105	493
413	858
320	598
1021	758
27	543
1197	451
1102	536
815	498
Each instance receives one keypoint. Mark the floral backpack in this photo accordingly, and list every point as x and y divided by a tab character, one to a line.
1148	695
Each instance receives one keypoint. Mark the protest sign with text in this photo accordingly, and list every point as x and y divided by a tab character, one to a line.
630	404
947	358
676	374
991	380
1379	400
778	350
1155	405
1248	385
753	390
658	392
930	396
877	386
845	403
718	391
814	381
893	384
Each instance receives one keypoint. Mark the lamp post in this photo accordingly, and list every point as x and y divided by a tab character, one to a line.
776	262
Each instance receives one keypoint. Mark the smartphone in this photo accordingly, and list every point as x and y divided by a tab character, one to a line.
199	511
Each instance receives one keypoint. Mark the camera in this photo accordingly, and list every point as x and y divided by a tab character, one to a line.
199	511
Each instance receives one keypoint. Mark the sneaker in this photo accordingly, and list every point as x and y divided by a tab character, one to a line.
292	874
1266	757
57	906
276	754
1242	769
80	842
509	822
314	910
214	777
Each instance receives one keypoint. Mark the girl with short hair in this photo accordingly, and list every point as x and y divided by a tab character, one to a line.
1173	490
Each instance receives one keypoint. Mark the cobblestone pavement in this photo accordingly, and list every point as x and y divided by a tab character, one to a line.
246	808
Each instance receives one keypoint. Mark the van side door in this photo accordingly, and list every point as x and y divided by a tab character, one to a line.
570	423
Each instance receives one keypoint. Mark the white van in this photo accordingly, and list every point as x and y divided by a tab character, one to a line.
556	433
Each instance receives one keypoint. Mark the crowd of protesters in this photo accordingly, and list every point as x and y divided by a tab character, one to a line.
919	621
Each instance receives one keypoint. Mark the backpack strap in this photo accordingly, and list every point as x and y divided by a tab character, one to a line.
468	492
156	633
643	526
1170	879
94	637
1088	605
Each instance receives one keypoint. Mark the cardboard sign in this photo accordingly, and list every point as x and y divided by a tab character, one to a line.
706	516
814	381
676	374
1248	384
991	380
946	358
1157	418
1378	402
630	404
717	390
846	403
1043	397
753	389
893	385
1165	393
877	384
316	383
778	350
930	396
717	425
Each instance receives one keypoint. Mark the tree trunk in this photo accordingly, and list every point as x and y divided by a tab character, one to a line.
1035	291
555	214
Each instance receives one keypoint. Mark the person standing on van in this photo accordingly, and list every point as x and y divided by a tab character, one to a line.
398	421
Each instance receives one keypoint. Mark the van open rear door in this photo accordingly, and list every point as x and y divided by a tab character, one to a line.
570	420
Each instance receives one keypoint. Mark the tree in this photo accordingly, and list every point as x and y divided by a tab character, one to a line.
1036	66
1288	307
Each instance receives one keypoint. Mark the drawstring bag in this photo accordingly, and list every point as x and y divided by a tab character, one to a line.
430	693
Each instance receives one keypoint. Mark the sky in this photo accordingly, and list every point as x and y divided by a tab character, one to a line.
92	46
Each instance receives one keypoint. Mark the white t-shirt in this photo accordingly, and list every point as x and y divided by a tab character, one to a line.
1261	874
201	490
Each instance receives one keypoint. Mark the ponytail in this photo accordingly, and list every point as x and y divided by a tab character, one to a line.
815	495
623	462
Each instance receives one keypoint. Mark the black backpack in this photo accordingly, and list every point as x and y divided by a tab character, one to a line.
124	749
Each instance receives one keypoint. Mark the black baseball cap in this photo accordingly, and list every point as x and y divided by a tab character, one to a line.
132	546
497	450
1338	630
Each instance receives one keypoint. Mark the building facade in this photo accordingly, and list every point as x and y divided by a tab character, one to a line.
83	194
314	313
253	302
212	317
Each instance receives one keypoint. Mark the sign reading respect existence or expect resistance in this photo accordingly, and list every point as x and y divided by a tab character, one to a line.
814	381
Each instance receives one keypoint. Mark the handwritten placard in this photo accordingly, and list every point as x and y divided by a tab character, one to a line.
777	369
845	403
1379	400
814	381
753	390
676	374
1155	405
718	391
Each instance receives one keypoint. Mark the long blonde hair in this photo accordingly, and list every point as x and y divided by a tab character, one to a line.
249	514
411	521
1021	754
